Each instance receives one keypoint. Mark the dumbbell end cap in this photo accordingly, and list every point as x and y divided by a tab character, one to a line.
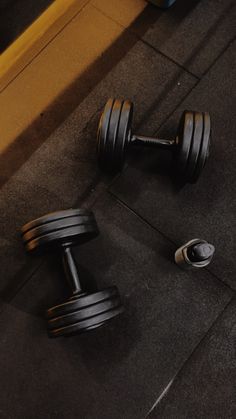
196	253
201	252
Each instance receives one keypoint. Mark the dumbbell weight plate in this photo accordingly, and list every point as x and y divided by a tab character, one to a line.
123	134
205	146
86	317
111	142
184	138
83	314
69	236
195	146
86	325
54	216
54	226
56	229
102	133
81	301
113	133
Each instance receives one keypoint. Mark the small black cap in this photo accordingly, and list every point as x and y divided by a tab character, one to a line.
200	252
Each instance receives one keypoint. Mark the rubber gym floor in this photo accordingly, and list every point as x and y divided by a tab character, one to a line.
172	353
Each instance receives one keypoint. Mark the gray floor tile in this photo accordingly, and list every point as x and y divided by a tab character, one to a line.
206	209
119	370
194	33
205	388
64	170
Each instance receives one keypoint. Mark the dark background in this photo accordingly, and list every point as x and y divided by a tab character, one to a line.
16	16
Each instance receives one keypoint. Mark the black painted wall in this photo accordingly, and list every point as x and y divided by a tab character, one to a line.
16	16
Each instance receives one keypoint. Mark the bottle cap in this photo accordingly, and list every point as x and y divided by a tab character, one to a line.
200	252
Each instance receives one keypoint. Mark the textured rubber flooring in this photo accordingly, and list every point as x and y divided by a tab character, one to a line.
172	353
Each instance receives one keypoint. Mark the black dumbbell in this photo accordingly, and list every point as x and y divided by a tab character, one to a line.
190	147
82	311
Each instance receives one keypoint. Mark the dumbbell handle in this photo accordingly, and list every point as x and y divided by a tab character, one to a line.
152	142
71	270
